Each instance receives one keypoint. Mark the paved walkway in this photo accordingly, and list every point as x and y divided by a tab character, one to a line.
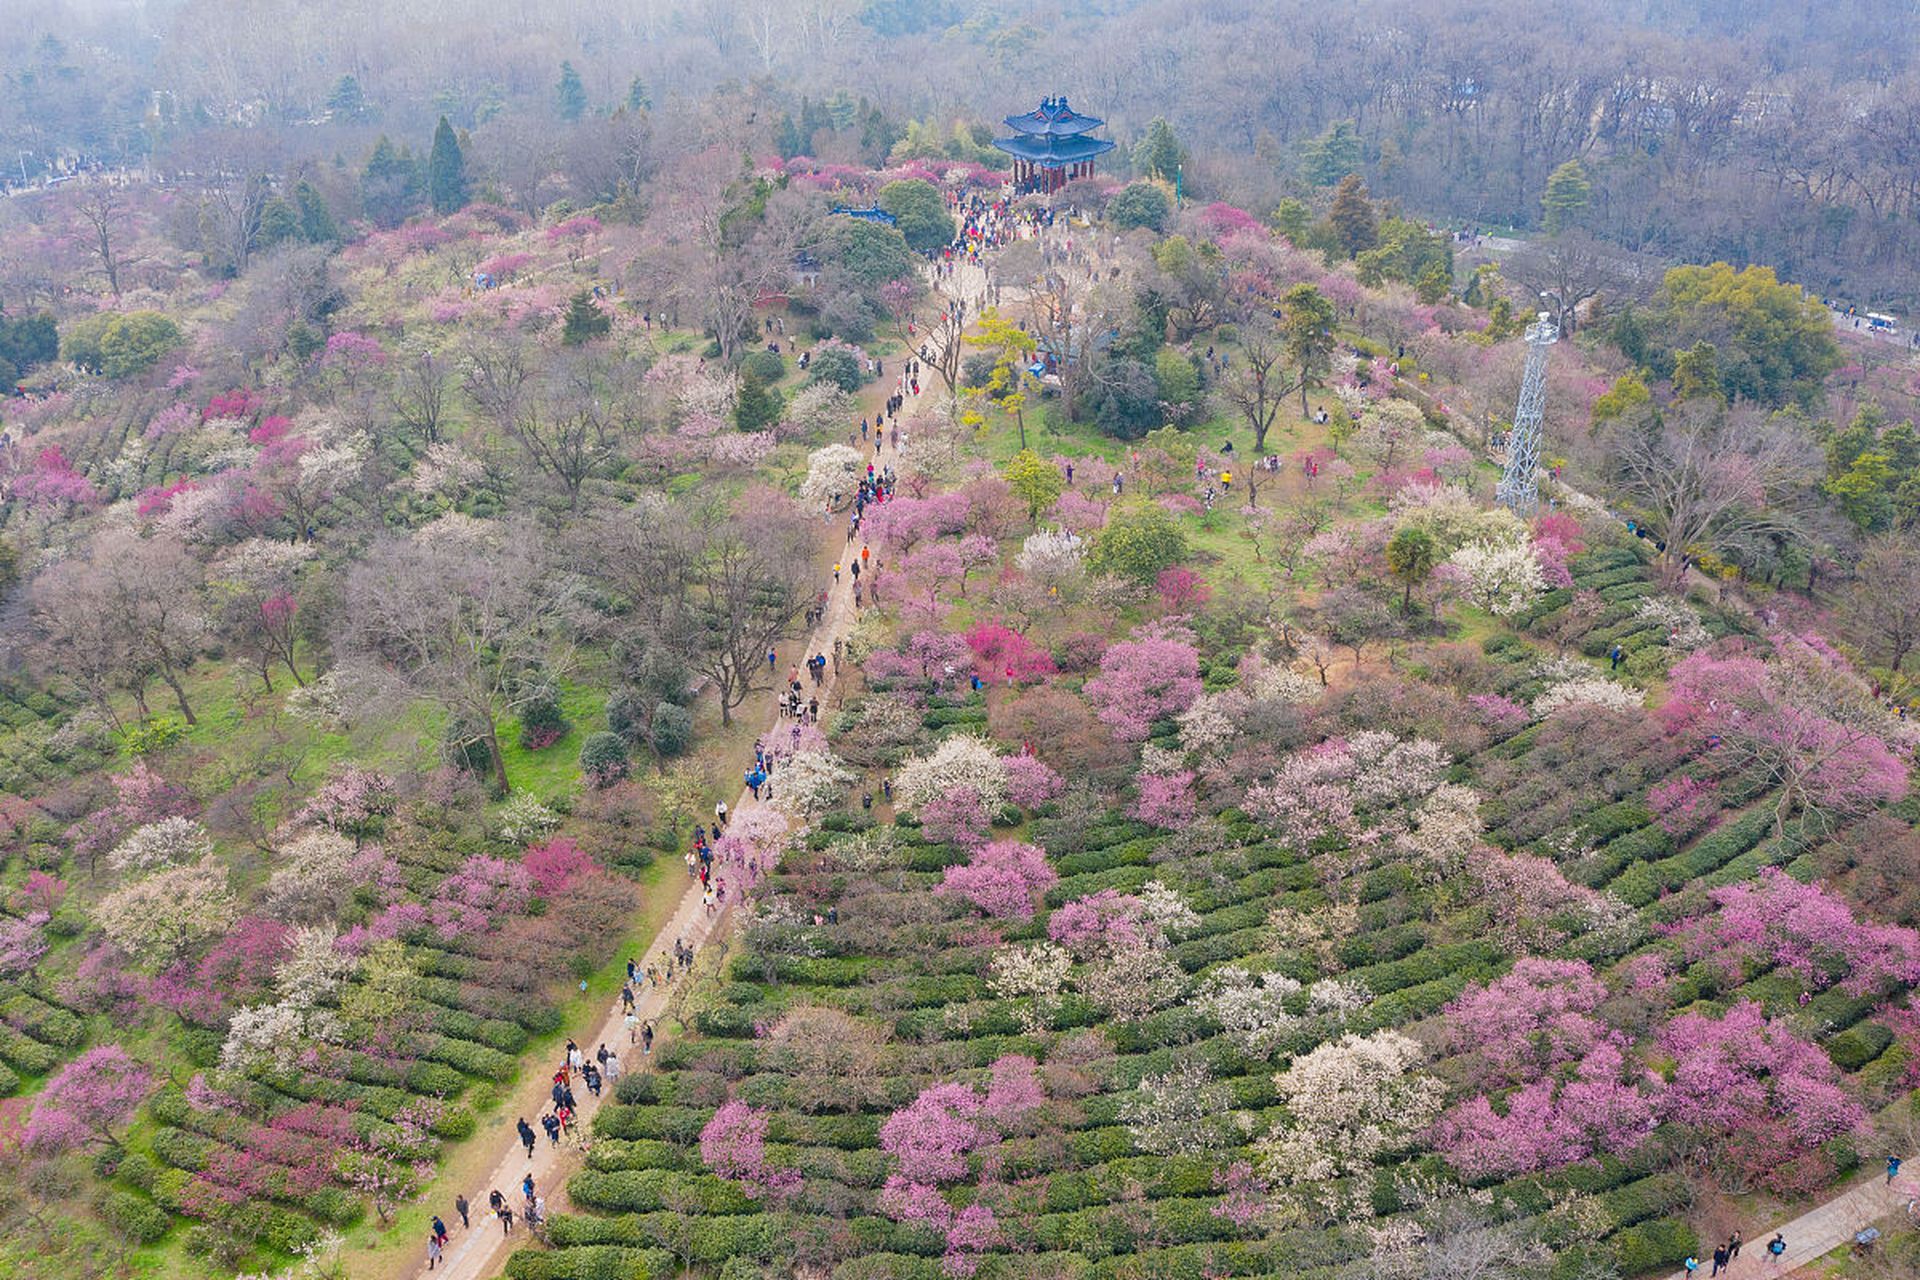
481	1251
1813	1234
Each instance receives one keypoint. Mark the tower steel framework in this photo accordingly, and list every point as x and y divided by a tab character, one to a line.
1519	489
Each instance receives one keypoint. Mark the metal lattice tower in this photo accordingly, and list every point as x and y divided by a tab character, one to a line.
1519	489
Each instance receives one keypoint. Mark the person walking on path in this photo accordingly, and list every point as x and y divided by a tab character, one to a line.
460	1207
433	1252
1776	1247
640	999
1733	1246
1893	1169
1692	1264
1719	1261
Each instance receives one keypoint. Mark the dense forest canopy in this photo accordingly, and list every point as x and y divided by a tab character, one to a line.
1774	132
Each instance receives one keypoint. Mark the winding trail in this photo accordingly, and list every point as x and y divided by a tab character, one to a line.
481	1250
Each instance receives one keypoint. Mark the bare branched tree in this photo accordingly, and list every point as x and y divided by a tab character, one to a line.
453	615
1699	474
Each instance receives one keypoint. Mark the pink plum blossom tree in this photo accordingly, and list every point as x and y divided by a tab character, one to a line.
1800	725
956	817
1001	879
1743	1069
1803	928
1165	800
87	1100
1031	782
734	1145
1143	680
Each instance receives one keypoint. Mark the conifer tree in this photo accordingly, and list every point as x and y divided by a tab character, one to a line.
446	171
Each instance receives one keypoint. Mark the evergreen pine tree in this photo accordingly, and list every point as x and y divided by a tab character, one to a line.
1351	217
1569	192
585	321
758	407
348	101
786	139
571	92
316	220
446	171
389	183
637	99
1158	154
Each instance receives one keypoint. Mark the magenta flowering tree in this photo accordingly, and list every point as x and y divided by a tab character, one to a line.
1102	923
974	1231
554	865
480	889
930	1137
1143	680
1165	799
1777	920
901	523
52	481
1031	782
1014	1092
239	404
1684	806
1001	653
1744	1069
41	891
274	426
940	657
1001	879
1503	715
236	970
1800	724
1606	1106
734	1145
87	1100
956	816
1243	1194
1537	1017
1182	590
23	940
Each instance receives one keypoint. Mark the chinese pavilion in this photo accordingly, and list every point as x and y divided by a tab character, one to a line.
1050	146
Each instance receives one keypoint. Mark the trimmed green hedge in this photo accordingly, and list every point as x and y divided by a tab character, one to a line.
1654	1246
134	1217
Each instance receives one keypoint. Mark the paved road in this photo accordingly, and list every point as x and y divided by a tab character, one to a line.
1812	1235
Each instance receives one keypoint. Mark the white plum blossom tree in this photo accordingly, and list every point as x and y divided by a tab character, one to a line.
1347	1103
1589	690
168	842
959	761
1037	973
833	476
810	783
1501	577
1251	1010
